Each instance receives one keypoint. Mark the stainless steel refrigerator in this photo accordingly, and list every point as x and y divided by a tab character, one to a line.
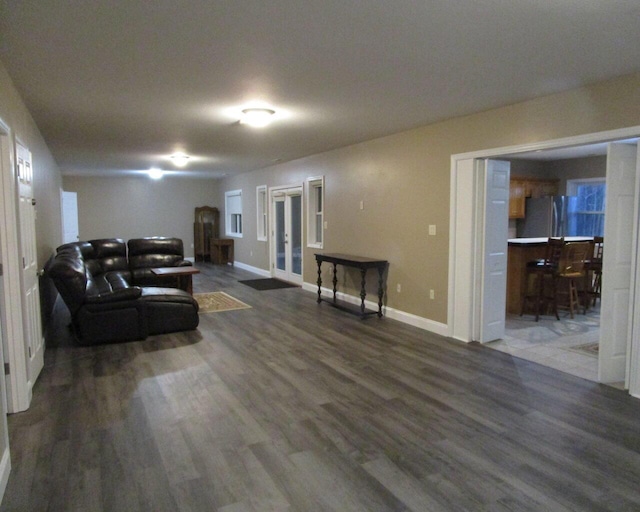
545	216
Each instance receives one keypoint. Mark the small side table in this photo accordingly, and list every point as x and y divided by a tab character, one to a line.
182	274
222	251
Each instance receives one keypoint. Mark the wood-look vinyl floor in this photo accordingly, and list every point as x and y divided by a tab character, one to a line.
295	406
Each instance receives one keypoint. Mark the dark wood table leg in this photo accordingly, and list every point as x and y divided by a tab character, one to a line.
363	291
319	282
335	281
380	290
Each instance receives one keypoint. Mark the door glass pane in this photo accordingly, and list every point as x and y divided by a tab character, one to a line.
280	245
296	235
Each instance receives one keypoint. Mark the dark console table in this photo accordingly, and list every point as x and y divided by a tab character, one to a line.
358	262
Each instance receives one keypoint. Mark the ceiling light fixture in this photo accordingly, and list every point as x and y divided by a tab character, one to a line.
257	117
179	159
155	174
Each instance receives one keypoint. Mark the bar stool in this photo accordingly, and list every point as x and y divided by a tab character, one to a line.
543	272
593	272
572	269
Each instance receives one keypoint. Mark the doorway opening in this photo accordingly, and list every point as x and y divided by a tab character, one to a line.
467	256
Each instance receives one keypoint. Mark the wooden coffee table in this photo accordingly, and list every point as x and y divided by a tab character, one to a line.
183	274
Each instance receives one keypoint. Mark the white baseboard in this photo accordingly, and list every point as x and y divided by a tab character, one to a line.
5	469
395	314
191	259
260	271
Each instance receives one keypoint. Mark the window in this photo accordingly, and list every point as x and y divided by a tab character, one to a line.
261	208
233	213
586	212
315	215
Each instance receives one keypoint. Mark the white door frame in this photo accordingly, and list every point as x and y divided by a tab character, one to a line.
6	324
464	253
64	212
273	191
18	391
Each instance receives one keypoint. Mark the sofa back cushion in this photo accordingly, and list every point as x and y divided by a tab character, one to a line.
111	253
154	252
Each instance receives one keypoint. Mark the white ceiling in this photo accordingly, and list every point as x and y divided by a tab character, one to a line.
117	86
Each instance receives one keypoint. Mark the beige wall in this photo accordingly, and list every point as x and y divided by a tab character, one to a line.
133	207
404	182
578	168
46	175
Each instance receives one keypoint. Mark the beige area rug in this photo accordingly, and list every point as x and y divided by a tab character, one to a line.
215	302
586	348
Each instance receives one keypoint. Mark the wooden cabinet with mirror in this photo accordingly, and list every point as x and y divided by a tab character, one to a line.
205	228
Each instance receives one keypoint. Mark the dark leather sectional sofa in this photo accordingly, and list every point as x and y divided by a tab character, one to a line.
113	295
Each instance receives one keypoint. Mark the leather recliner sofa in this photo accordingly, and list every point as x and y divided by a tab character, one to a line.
113	297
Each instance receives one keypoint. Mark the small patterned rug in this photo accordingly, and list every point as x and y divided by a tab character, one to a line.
586	348
215	302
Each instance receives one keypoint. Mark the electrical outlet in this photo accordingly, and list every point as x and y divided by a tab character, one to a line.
326	224
399	288
432	229
432	294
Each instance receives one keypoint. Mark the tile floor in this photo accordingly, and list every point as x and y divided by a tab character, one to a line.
550	342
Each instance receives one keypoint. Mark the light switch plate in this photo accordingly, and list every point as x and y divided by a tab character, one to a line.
432	229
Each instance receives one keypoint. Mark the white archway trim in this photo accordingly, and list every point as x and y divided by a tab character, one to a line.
464	253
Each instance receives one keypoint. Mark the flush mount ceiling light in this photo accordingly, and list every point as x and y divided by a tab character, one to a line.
257	117
179	159
155	174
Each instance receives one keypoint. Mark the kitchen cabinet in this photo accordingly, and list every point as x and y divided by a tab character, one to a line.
521	188
517	195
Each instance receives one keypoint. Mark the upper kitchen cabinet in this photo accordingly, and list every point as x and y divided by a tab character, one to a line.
517	190
521	188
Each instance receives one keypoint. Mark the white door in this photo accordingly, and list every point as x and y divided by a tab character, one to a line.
287	234
495	219
618	268
5	461
69	208
34	344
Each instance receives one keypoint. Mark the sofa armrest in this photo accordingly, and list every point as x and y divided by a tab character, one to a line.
184	263
123	294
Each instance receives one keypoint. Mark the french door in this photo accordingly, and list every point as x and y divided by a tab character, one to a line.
286	240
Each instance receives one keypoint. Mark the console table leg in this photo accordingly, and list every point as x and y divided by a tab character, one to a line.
335	281
380	290
319	283
363	292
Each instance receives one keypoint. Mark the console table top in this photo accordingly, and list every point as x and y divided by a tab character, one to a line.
349	258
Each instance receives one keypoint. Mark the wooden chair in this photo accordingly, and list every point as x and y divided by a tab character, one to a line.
571	271
593	272
541	292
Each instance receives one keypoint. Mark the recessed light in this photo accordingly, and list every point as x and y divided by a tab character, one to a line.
155	174
179	159
257	117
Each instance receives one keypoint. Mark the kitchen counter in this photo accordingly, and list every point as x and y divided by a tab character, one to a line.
520	252
520	242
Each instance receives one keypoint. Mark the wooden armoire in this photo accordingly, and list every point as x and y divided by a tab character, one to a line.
205	228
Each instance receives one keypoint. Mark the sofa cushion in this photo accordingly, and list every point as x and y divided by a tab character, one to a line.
169	310
146	254
111	253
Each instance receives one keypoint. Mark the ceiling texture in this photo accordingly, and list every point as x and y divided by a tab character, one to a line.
116	87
